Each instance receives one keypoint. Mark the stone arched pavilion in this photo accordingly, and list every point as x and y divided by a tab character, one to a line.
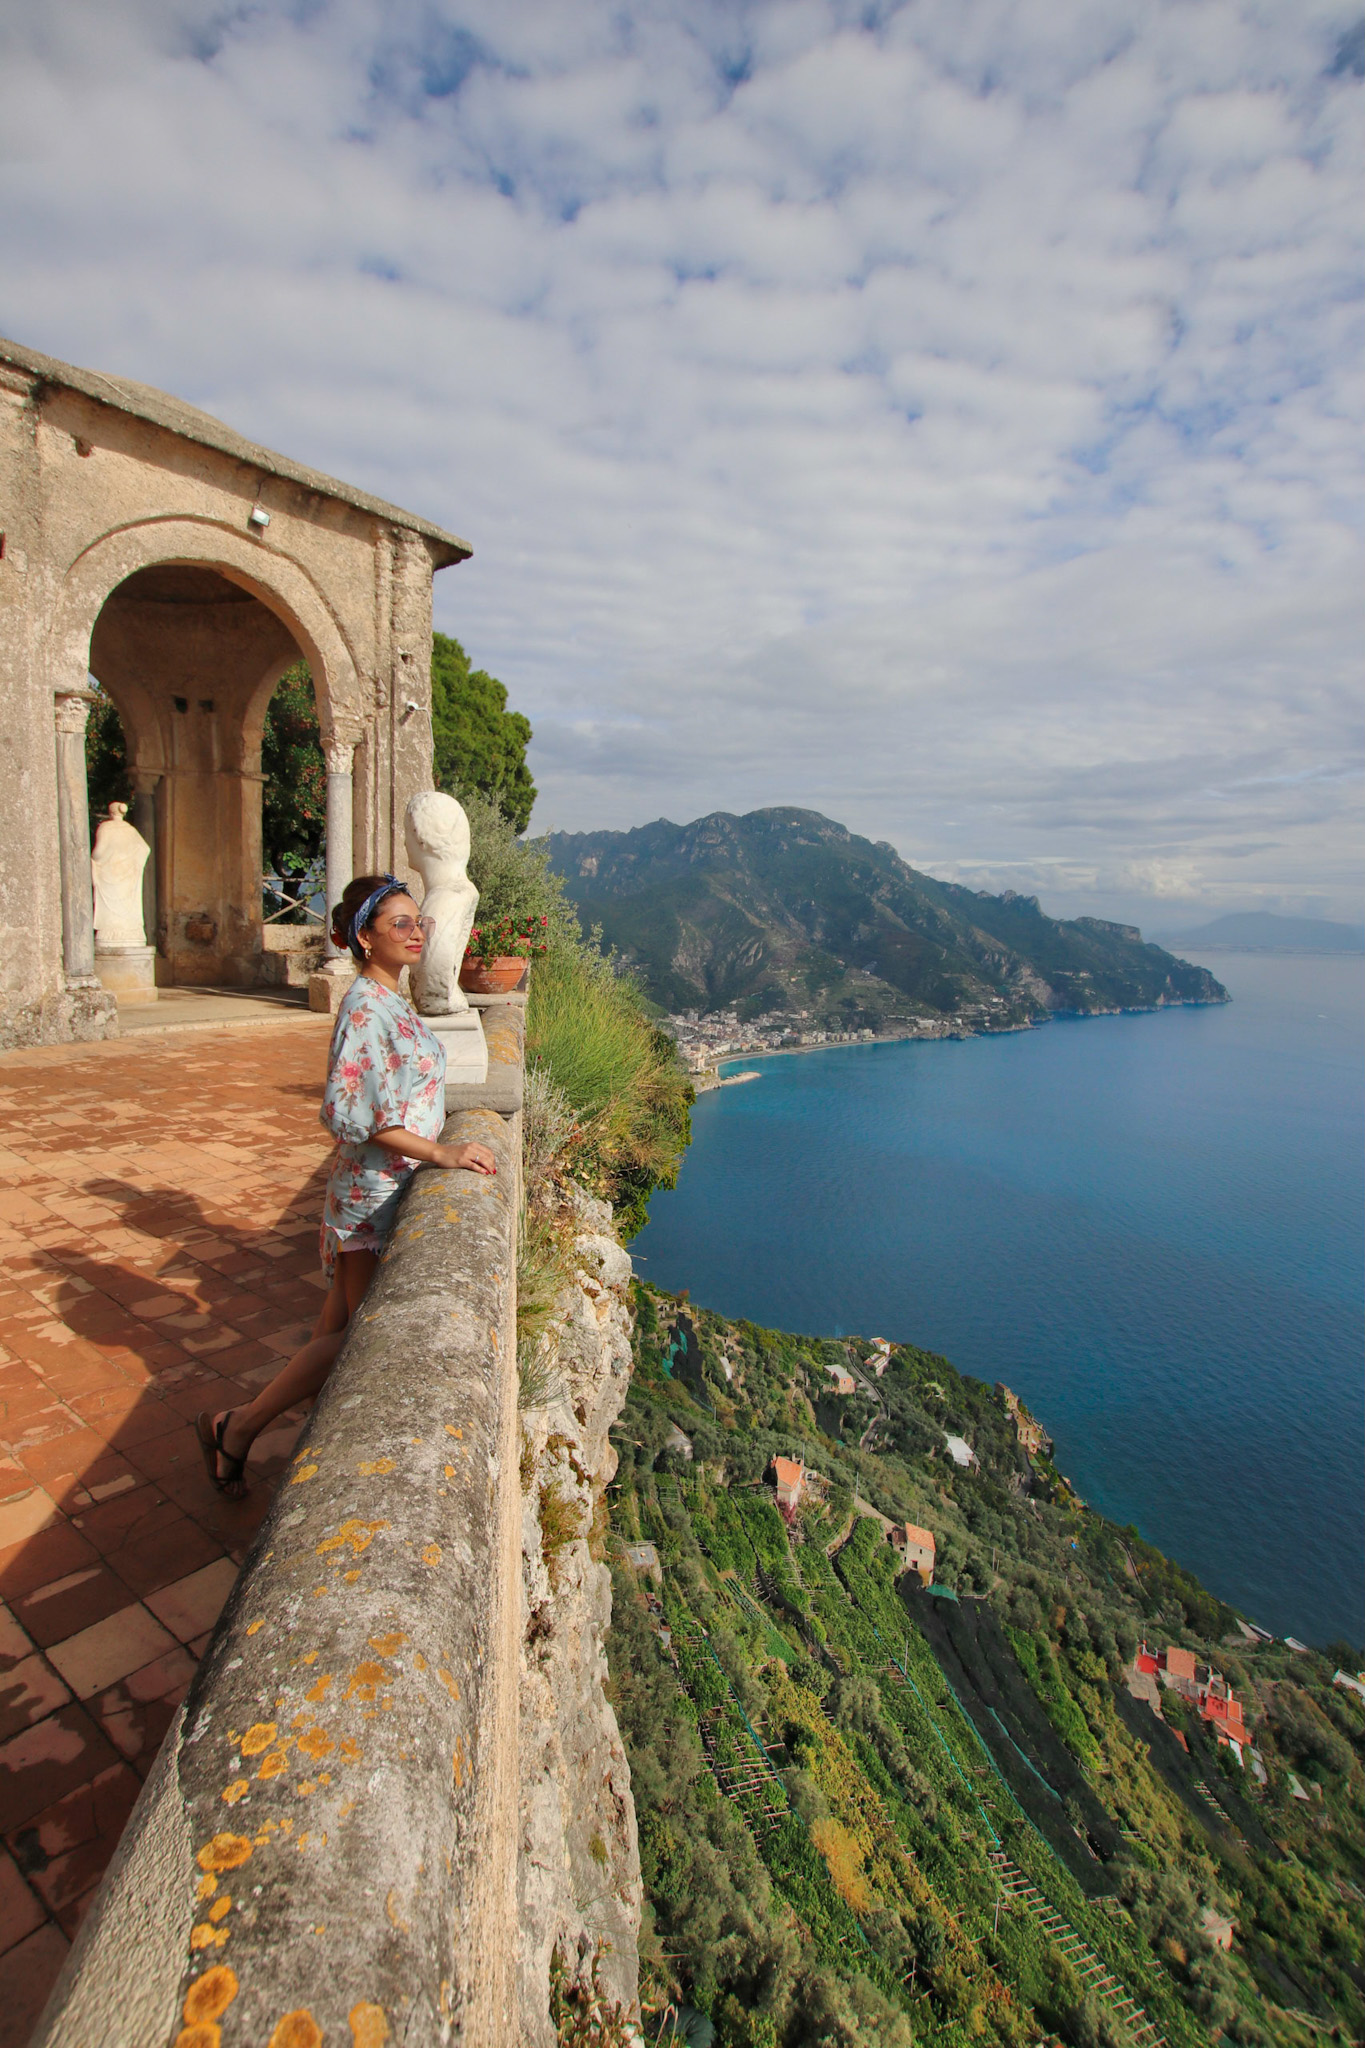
149	545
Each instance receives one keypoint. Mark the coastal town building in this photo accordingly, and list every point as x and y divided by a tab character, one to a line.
1180	1671
643	1557
881	1356
790	1477
703	1040
795	1481
844	1382
917	1547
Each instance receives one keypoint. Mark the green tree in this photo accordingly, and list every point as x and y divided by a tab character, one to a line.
106	759
479	743
294	796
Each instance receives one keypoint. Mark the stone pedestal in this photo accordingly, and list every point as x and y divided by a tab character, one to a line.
329	985
128	972
466	1049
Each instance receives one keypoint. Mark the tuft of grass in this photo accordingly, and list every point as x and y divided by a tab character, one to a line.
588	1030
580	2011
560	1525
543	1269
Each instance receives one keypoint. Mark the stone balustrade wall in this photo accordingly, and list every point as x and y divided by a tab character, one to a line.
326	1850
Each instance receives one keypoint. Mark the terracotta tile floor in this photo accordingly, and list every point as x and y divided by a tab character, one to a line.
159	1202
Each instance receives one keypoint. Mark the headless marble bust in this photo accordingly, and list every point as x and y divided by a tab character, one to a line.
436	834
116	866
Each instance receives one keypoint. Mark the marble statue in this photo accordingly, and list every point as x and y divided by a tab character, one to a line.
116	865
436	834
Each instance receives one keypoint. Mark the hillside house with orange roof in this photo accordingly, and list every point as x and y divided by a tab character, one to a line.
918	1548
790	1475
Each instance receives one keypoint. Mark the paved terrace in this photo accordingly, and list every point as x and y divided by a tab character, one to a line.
159	1201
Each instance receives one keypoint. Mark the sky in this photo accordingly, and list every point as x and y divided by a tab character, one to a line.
945	416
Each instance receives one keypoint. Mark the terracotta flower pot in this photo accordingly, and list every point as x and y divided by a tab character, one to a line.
492	977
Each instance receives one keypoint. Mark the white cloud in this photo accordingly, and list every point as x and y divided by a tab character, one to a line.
950	423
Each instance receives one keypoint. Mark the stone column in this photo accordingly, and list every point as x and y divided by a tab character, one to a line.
73	828
326	989
145	785
340	829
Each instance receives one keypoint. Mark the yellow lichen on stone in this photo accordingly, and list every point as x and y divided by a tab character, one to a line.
388	1645
459	1762
305	1789
309	1657
351	1752
452	1431
298	2029
203	1936
448	1682
258	1738
253	1628
360	1535
374	1468
220	1909
206	1887
209	1997
431	1556
274	1765
238	1789
316	1691
450	1471
365	1681
224	1852
317	1743
305	1472
206	2035
350	1577
369	2027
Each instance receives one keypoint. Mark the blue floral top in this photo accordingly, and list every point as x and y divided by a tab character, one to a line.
384	1069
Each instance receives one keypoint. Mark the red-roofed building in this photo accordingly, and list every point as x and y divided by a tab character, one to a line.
1180	1671
1179	1665
790	1475
918	1547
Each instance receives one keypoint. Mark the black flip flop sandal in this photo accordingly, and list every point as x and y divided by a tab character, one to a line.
211	1444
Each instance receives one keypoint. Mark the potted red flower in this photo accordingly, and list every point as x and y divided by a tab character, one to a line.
496	955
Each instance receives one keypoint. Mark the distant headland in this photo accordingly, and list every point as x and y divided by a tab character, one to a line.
1261	931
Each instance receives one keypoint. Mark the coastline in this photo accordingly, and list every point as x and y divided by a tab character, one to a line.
711	1077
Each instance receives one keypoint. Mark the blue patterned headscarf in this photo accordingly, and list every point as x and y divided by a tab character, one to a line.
390	886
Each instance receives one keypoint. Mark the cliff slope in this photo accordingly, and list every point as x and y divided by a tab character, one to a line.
872	1813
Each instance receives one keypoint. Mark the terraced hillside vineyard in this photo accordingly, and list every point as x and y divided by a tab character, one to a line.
871	1812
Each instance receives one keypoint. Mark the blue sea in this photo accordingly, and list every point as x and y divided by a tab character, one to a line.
1150	1226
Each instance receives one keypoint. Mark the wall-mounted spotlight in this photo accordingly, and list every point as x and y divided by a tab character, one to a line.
411	705
258	517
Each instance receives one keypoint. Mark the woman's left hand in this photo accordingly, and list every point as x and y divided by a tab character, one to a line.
475	1158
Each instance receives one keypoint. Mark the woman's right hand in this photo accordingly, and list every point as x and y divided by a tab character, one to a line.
474	1158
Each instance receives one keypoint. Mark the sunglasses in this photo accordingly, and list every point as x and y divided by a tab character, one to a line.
401	926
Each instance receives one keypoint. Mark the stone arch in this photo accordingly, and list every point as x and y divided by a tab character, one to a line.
282	584
189	626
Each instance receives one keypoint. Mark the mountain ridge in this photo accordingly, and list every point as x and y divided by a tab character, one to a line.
785	911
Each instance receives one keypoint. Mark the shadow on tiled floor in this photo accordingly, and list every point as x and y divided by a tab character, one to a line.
159	1201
